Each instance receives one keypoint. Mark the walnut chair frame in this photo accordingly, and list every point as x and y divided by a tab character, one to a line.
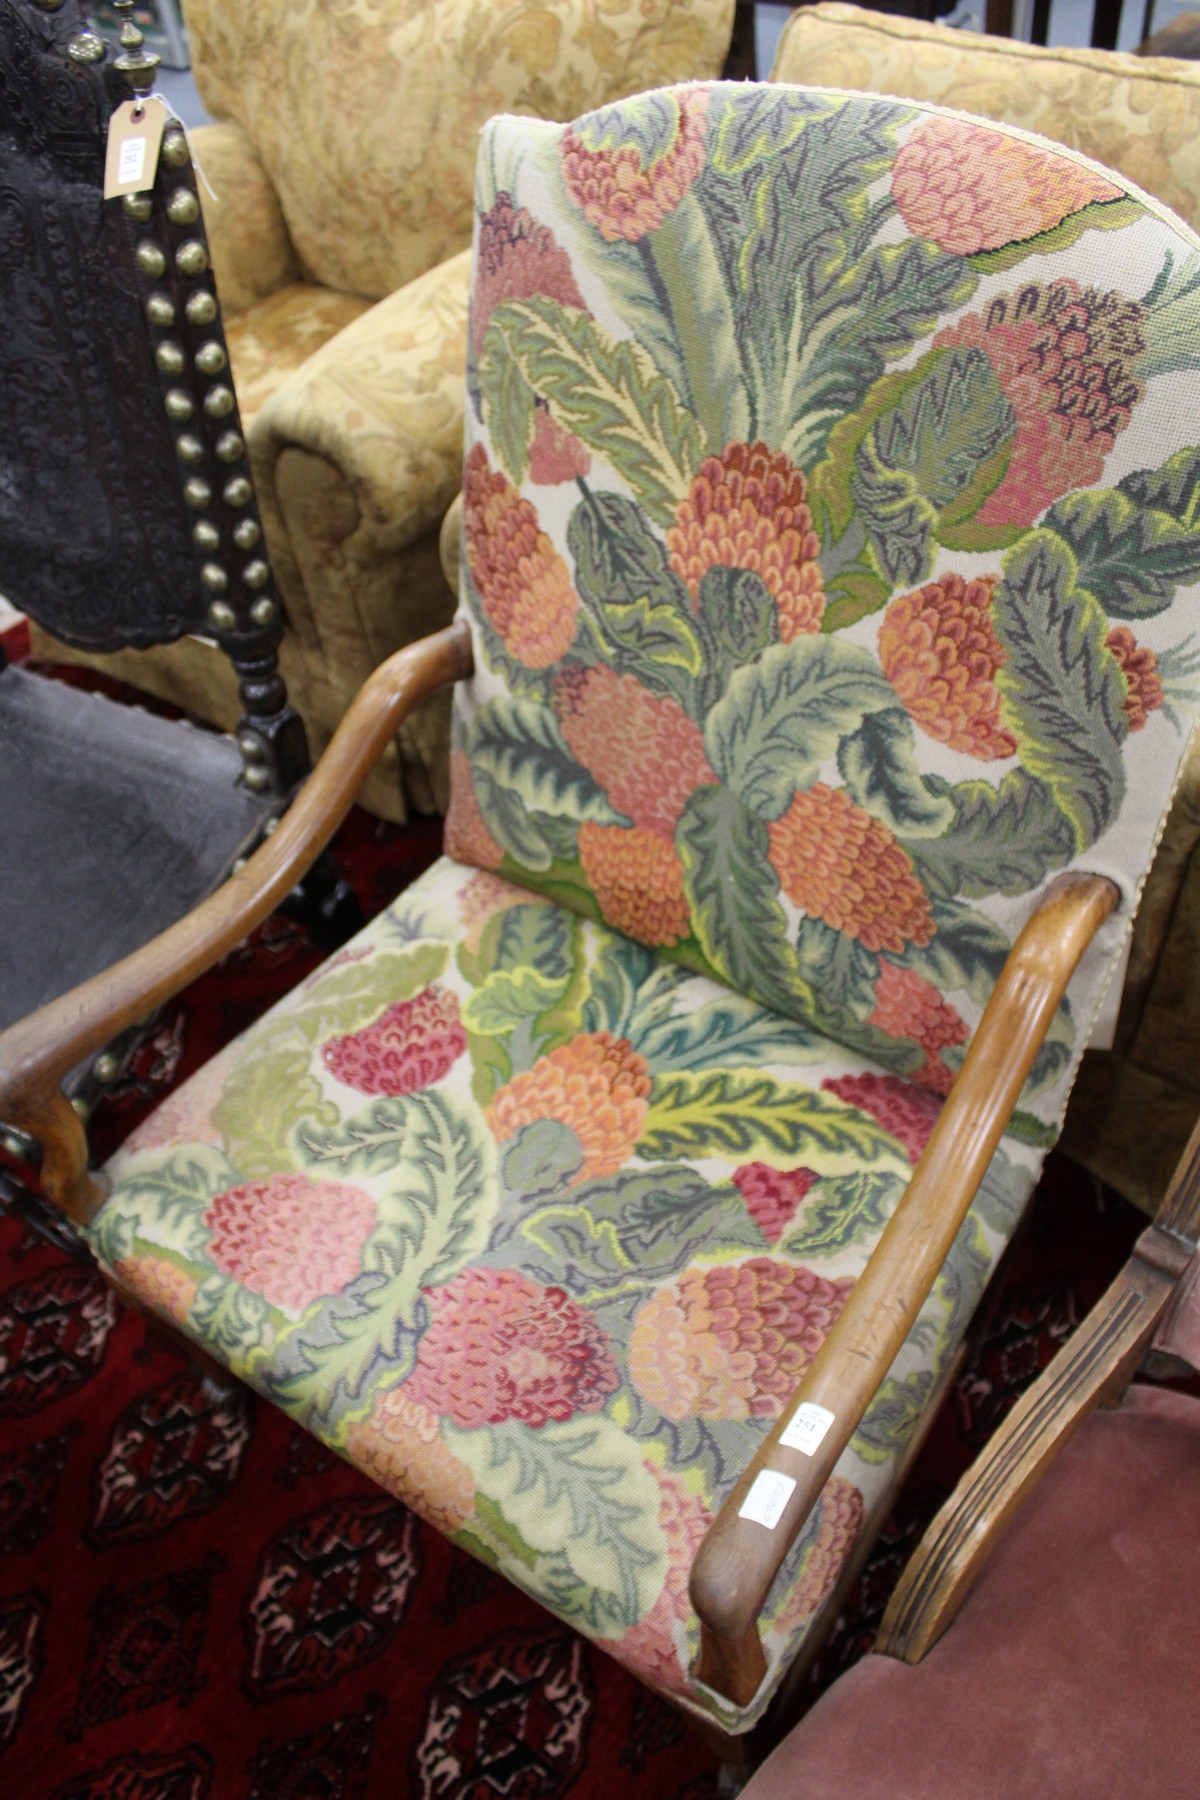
733	1573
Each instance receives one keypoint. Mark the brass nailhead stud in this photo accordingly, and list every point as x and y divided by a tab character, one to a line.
263	611
214	578
205	536
174	149
85	47
256	574
218	402
169	358
221	616
237	492
256	778
161	312
191	258
106	1067
210	358
230	446
177	403
150	259
201	308
197	493
246	534
183	208
189	449
138	206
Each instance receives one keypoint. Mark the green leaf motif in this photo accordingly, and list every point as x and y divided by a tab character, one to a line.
837	966
735	1113
893	1416
1132	558
787	714
1000	840
435	1212
163	1202
517	745
327	1370
510	823
843	1210
505	1000
581	1496
638	1228
639	608
965	954
231	1321
1062	688
724	1034
608	392
879	767
509	402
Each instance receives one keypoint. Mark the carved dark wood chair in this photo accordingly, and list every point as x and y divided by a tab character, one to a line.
1072	1548
127	517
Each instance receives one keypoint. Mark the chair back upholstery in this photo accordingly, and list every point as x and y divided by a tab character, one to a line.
367	114
832	539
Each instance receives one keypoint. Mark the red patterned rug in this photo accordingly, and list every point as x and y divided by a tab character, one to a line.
198	1601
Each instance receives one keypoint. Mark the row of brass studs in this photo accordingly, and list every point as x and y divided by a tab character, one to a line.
191	261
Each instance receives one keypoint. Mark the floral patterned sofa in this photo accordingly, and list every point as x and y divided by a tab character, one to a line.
832	561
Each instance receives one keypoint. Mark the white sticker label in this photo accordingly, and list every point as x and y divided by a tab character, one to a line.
766	1500
807	1428
132	160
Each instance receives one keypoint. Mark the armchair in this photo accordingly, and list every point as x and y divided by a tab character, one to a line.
1042	1638
342	164
1140	116
620	1199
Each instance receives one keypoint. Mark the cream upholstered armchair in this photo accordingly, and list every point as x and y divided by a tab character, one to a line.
343	165
1134	1104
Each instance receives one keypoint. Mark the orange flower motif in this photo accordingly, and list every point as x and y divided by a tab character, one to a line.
400	1446
642	748
159	1284
468	839
638	881
836	863
731	1342
597	1085
523	581
940	653
1065	359
907	1006
1139	665
747	509
839	1522
485	895
969	187
615	186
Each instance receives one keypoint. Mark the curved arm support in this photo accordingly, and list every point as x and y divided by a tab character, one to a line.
739	1559
39	1051
1097	1362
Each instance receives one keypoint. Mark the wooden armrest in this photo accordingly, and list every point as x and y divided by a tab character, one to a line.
39	1051
739	1559
1100	1358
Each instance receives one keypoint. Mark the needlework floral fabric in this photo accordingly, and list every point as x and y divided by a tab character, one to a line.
540	1230
831	547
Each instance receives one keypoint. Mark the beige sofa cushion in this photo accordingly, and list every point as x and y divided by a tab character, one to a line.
1139	115
366	114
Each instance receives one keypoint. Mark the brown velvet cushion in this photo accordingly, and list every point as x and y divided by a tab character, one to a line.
1073	1673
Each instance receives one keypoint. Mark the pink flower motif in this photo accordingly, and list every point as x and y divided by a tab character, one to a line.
501	1347
410	1046
185	1116
555	454
822	1561
289	1238
517	259
623	185
468	839
969	187
1065	358
772	1196
907	1006
909	1113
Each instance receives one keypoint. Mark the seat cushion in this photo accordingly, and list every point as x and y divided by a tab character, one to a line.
539	1230
278	334
1072	1669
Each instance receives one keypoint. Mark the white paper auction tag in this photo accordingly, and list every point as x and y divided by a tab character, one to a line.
134	140
766	1500
807	1427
